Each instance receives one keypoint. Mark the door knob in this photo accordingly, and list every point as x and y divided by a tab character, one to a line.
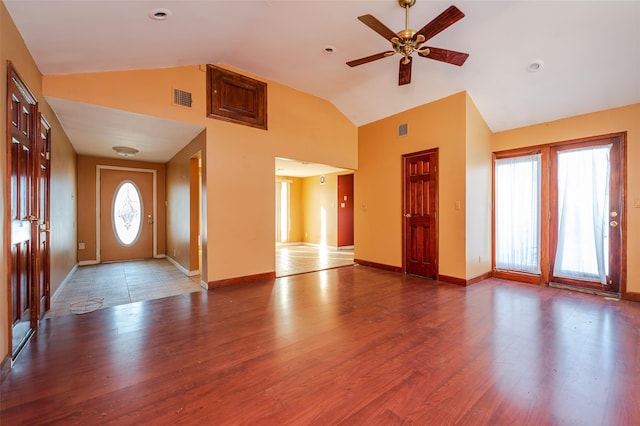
149	219
613	223
613	214
407	215
31	218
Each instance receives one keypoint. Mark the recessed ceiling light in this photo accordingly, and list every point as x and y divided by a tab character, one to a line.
125	151
159	14
329	49
535	65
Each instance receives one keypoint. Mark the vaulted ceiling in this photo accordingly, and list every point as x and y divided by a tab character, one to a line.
590	50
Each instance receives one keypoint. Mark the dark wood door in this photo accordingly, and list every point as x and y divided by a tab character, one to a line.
420	213
593	191
21	129
345	210
112	248
43	153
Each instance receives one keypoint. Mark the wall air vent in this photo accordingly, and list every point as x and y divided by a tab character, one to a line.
402	129
182	98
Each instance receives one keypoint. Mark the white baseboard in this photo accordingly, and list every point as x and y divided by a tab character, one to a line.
182	268
64	282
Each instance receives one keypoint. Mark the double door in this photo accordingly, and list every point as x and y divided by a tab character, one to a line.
559	214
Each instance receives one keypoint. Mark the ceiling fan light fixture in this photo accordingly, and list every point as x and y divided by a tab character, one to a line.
125	151
409	41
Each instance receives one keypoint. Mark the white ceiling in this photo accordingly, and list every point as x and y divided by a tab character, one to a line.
95	130
591	50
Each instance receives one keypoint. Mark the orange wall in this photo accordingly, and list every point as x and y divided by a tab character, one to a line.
478	199
87	202
296	208
180	220
240	197
625	119
320	210
378	182
63	173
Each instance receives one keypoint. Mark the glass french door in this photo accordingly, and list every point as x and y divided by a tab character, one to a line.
558	214
586	213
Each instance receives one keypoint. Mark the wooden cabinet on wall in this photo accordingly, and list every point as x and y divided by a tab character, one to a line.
236	98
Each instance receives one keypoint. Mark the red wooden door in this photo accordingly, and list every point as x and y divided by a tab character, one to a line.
43	153
420	213
345	210
21	116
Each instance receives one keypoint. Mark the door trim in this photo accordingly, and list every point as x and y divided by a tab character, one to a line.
154	236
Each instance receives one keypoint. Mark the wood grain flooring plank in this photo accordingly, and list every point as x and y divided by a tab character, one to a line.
353	345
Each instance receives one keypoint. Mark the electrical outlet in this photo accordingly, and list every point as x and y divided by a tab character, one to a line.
81	245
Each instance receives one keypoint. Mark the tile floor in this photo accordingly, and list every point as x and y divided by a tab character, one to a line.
110	284
298	259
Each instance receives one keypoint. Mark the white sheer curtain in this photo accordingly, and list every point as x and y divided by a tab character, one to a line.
583	209
517	213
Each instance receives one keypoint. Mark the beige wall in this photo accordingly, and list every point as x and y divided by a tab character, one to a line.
180	202
240	197
87	202
625	119
63	173
378	182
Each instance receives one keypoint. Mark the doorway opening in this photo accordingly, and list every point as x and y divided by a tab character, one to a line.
313	217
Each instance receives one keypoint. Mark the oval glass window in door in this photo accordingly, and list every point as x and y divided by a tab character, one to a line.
126	213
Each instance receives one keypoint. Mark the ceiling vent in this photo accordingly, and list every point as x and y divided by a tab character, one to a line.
182	98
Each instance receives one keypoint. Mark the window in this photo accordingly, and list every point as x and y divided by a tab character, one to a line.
126	213
517	213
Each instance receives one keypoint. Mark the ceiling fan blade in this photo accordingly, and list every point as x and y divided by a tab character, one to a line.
371	58
441	22
404	74
377	26
444	55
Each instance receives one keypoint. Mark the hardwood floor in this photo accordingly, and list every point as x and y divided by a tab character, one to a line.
352	345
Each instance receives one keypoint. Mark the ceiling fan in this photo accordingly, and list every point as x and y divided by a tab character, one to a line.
409	41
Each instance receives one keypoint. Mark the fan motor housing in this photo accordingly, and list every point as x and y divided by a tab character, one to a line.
406	3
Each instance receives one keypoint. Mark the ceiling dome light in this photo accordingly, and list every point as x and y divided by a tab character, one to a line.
329	49
535	65
125	151
159	14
